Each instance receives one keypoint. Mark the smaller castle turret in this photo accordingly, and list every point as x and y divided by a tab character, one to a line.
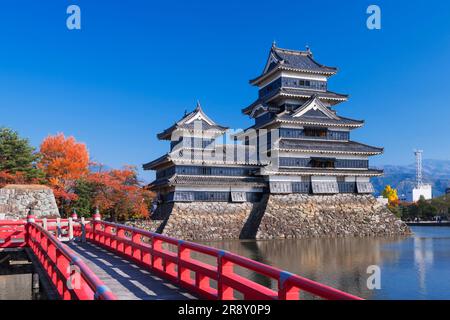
198	166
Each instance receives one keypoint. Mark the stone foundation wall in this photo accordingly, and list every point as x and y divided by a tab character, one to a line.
304	216
278	217
16	200
207	220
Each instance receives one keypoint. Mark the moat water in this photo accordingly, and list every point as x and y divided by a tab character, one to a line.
16	277
415	267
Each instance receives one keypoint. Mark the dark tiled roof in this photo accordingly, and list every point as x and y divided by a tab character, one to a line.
297	93
309	93
302	60
314	121
331	171
293	60
328	146
212	180
158	182
152	164
190	126
208	180
308	120
181	124
320	120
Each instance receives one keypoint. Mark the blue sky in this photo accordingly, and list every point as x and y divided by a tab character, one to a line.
137	65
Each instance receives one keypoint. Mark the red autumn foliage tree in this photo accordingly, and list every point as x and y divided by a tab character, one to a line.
63	160
11	178
119	194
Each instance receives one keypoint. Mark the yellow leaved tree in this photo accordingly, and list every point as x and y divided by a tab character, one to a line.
391	194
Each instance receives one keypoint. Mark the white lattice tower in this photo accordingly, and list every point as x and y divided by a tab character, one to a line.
418	154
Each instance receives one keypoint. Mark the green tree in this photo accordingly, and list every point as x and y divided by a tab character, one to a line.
17	156
396	210
404	212
85	192
425	209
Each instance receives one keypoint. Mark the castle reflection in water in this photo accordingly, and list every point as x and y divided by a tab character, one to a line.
407	263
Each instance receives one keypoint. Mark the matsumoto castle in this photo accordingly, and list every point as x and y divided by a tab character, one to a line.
298	143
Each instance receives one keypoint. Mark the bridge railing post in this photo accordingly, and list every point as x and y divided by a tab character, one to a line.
110	241
286	291
74	215
184	254
127	247
60	285
51	252
136	252
224	268
120	235
70	227
58	228
157	260
30	219
45	224
96	225
83	230
35	236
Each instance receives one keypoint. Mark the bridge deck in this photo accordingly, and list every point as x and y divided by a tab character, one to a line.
125	279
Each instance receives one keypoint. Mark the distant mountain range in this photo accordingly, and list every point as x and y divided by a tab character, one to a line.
435	172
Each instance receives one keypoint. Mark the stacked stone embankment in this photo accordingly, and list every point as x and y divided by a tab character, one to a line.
17	200
279	217
200	220
304	216
207	220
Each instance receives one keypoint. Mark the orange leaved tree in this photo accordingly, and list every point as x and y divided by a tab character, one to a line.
119	194
64	161
11	178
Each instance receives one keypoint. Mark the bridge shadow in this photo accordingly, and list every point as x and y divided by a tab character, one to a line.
125	279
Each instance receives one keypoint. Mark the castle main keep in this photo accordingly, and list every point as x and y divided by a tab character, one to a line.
298	157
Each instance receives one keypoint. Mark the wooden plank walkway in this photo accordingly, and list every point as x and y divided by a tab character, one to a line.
125	279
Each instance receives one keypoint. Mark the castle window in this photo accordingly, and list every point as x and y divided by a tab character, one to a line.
315	132
206	171
322	163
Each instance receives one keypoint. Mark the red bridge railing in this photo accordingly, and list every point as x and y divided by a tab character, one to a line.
173	259
178	261
13	234
70	276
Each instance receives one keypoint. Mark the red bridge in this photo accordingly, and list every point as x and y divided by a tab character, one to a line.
95	259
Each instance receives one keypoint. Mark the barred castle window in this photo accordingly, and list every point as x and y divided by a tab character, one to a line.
322	163
315	132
